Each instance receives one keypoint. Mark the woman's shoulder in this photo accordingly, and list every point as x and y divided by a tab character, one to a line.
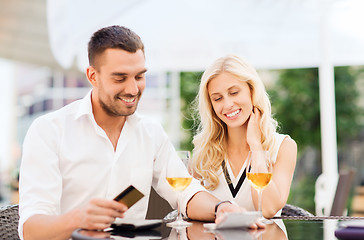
289	143
288	146
283	143
285	139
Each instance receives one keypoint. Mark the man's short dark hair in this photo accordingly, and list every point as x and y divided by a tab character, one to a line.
118	37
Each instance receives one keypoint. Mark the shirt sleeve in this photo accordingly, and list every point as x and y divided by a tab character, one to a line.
165	153
40	183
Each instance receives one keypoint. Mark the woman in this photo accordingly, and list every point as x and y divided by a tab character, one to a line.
235	115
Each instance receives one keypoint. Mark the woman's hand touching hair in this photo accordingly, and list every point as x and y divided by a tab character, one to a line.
254	134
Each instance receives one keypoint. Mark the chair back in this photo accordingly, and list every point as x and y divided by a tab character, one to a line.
343	189
157	207
9	220
292	211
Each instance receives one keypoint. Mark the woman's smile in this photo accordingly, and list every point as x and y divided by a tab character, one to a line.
232	115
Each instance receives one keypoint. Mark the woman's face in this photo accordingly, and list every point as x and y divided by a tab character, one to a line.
231	99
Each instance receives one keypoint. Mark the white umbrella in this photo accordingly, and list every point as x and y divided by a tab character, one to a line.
187	35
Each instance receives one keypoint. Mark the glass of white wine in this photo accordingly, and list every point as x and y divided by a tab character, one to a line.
179	180
259	173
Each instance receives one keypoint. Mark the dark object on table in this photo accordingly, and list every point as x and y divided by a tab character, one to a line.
136	234
291	210
9	220
136	224
349	233
82	234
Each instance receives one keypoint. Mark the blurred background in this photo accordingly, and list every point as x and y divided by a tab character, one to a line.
309	54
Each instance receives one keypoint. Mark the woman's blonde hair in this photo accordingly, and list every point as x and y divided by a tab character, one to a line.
209	152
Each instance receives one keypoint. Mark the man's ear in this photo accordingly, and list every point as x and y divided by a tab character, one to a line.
91	75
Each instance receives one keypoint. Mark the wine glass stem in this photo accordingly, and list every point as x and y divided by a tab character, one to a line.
260	202
179	216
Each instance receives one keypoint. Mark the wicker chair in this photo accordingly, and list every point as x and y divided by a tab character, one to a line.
290	211
9	220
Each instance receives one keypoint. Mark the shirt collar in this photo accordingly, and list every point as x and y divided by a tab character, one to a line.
85	107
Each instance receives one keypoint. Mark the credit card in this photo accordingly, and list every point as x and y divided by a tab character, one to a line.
129	196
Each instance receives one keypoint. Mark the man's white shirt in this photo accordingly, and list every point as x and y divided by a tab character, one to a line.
68	159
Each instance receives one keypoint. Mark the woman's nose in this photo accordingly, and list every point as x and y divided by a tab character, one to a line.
229	103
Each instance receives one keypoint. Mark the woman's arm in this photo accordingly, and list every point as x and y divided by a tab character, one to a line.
202	207
275	196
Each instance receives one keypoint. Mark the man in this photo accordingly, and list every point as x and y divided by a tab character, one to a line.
77	159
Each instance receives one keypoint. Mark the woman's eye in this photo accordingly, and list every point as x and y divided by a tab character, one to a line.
217	99
234	93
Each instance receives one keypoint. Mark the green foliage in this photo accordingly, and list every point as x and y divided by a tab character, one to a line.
296	104
190	82
302	194
348	110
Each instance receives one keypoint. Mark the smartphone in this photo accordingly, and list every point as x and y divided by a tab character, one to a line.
129	196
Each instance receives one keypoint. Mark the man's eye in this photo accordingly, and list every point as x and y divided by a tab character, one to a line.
120	79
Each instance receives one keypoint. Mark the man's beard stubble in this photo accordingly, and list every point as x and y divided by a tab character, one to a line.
109	110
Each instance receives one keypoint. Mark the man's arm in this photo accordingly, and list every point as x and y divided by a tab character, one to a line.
97	215
49	227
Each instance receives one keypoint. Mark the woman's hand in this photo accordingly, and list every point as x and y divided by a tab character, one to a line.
227	207
254	135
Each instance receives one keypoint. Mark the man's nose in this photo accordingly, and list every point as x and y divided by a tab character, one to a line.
131	87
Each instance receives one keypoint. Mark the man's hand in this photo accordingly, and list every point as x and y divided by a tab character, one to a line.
98	214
